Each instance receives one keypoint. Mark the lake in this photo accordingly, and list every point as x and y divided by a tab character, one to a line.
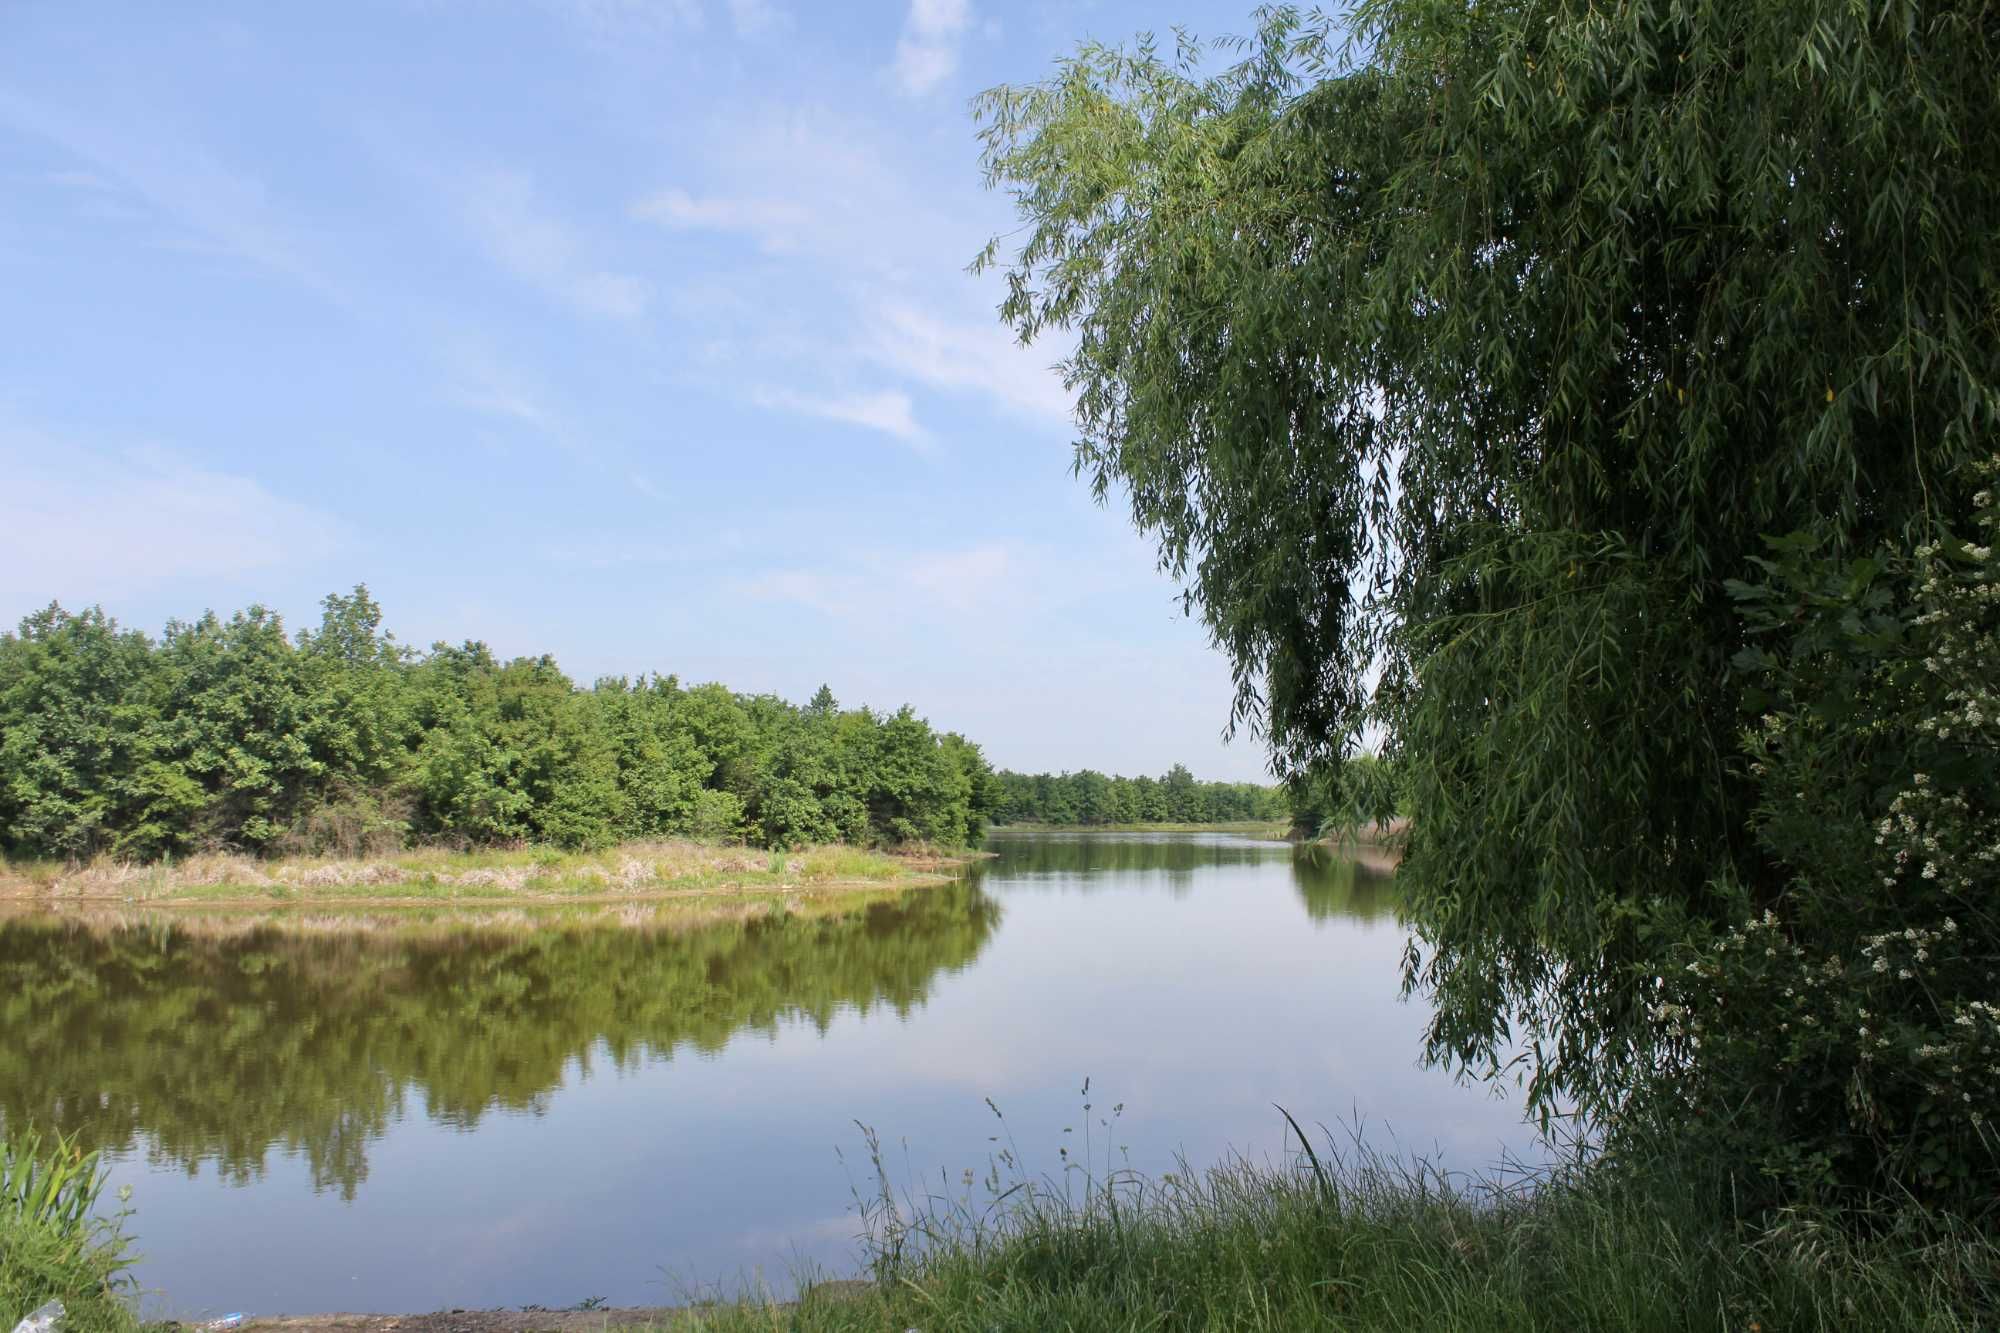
314	1117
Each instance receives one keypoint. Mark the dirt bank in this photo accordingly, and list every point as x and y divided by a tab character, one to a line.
516	1321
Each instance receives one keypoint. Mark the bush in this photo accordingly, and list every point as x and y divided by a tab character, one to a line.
1844	1036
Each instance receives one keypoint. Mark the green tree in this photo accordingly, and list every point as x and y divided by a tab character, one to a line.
227	735
231	751
75	701
1457	355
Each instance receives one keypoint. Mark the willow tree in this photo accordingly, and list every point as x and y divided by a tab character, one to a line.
1456	355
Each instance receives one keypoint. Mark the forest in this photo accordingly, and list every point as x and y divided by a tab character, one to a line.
1088	797
230	734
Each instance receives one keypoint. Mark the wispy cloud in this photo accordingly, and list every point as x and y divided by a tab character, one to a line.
539	248
80	523
982	357
231	211
775	223
478	379
927	52
830	182
889	411
962	582
756	18
620	22
829	594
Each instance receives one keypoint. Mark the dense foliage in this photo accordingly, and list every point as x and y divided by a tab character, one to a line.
1848	1035
230	734
1089	797
1459	357
1362	790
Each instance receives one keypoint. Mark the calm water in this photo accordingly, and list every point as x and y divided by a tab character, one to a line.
326	1119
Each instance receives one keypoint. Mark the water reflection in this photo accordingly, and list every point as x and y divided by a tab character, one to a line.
1334	883
1354	883
1086	862
220	1041
425	1114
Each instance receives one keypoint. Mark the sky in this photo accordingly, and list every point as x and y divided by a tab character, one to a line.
637	332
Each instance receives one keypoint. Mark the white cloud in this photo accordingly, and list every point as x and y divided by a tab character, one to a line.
79	180
981	357
776	223
80	524
481	381
927	52
230	211
966	582
826	183
872	279
612	552
541	249
837	595
962	580
755	18
619	22
889	411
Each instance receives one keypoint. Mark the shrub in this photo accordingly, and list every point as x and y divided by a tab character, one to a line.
1845	1035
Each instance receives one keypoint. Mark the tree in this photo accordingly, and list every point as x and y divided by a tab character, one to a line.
227	735
75	699
1457	356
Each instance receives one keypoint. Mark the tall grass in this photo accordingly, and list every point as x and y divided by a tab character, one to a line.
629	870
1359	1241
55	1243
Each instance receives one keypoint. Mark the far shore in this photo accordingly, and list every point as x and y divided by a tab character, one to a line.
631	873
1274	830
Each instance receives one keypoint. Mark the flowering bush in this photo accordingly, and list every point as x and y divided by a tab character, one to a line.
1846	1033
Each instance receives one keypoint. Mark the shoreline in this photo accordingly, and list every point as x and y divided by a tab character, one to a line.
1270	830
630	874
533	1320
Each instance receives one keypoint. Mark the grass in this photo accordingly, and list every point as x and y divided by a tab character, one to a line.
54	1242
634	871
416	918
1367	1243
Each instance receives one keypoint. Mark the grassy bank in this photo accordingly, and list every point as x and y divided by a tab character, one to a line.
1388	1247
632	872
1365	1245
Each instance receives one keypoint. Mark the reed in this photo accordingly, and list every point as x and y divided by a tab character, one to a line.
56	1243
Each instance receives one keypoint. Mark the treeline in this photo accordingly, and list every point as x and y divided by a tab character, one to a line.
1089	797
232	735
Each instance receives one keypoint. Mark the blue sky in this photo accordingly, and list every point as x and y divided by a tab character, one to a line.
634	331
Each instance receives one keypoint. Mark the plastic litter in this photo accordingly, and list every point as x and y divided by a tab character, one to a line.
47	1319
217	1325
